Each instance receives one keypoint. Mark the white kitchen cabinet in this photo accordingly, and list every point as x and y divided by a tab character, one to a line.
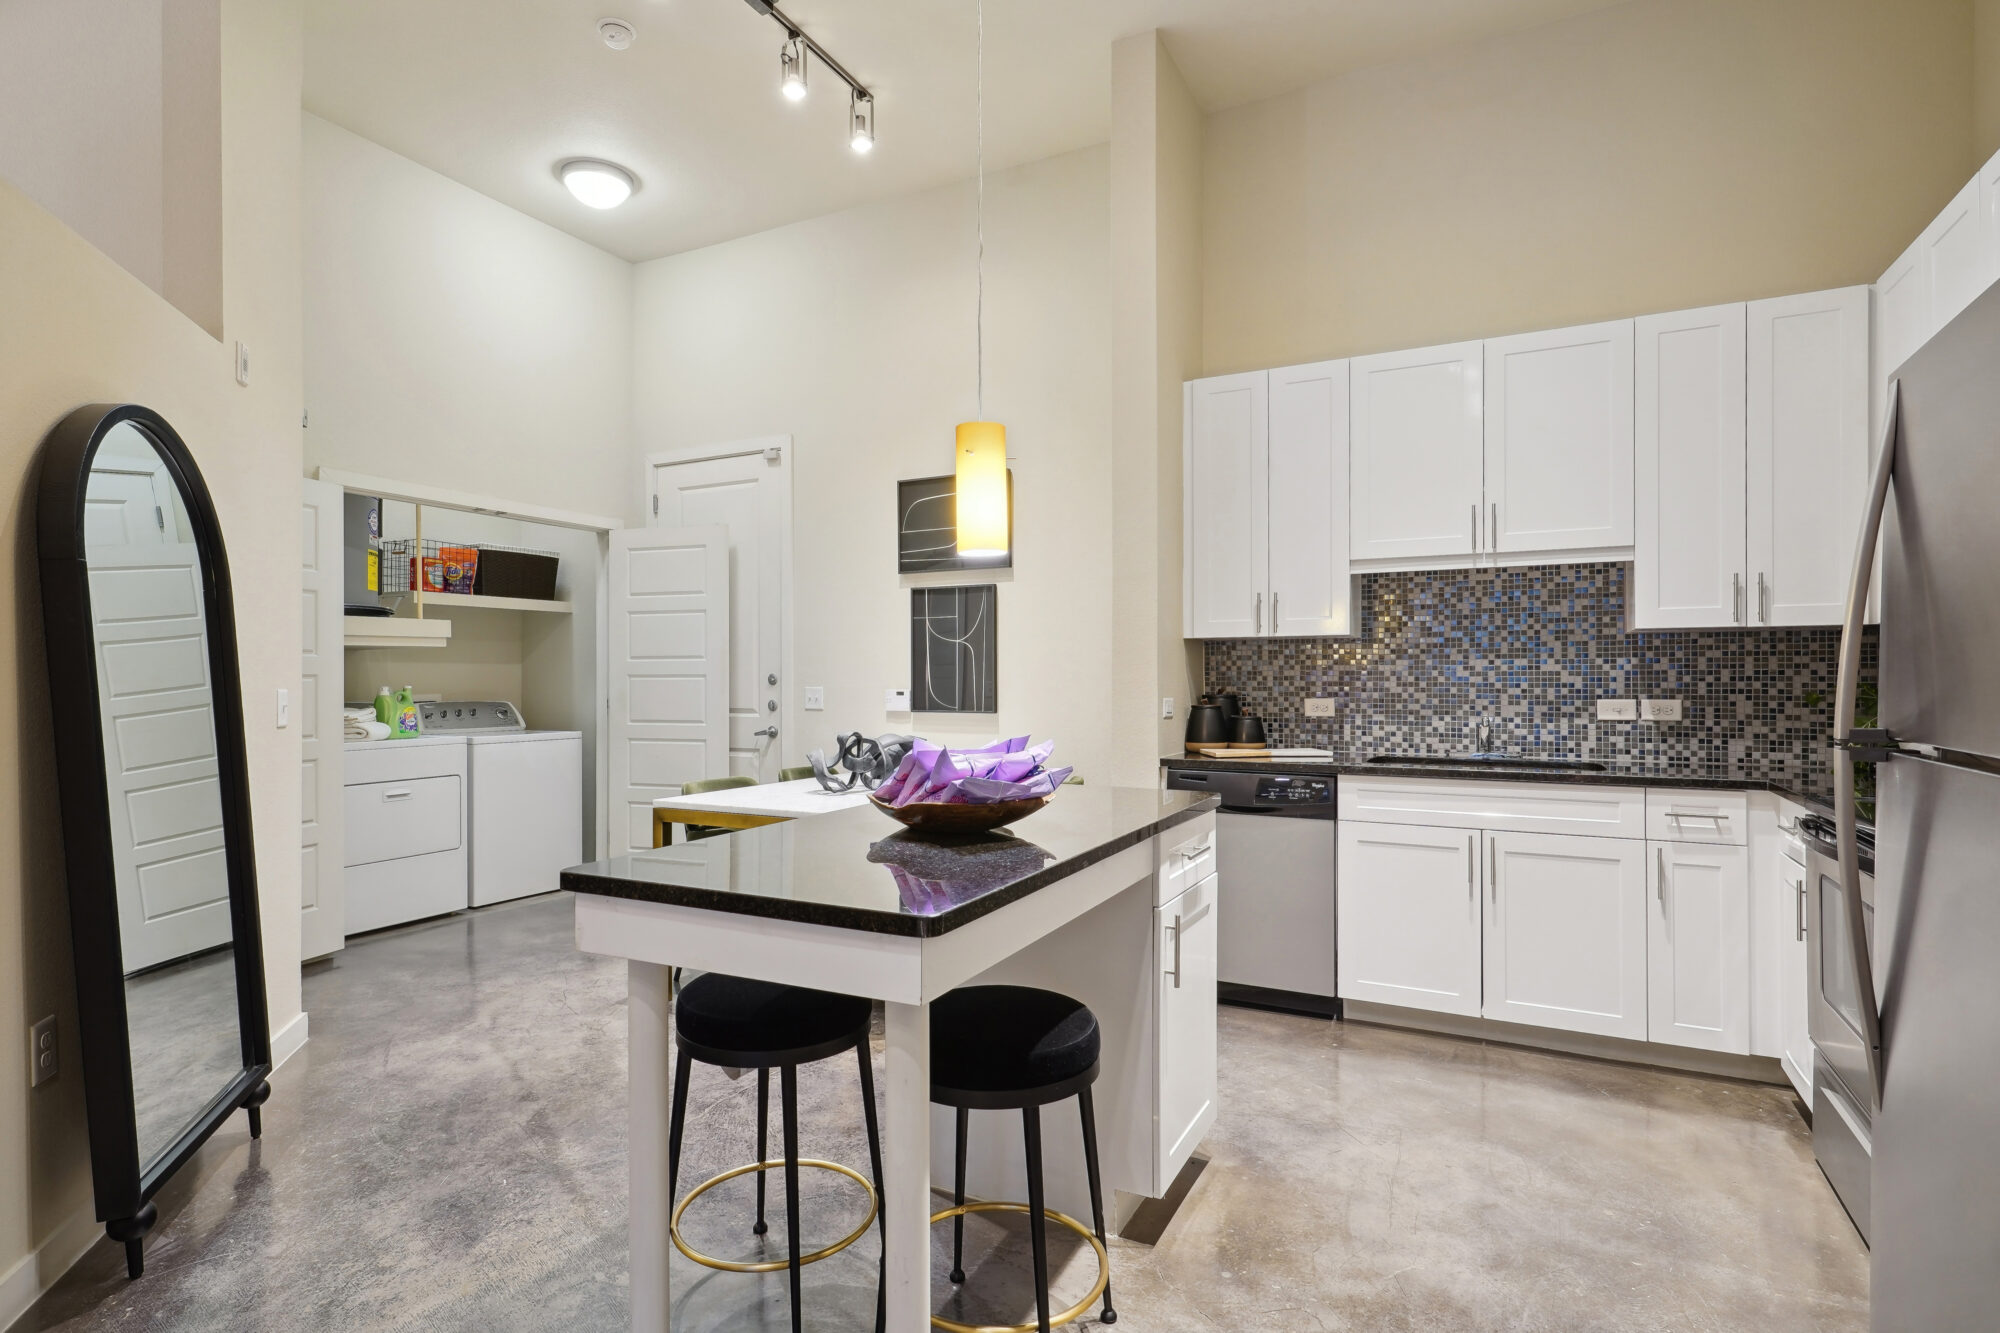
1796	1054
1689	557
1409	917
1227	506
1184	934
1957	262
1808	453
1307	544
1558	439
1266	505
1902	324
1698	950
1417	454
1565	932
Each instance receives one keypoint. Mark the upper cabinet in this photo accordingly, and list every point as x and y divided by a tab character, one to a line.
1808	455
1558	423
1266	503
1689	557
1417	453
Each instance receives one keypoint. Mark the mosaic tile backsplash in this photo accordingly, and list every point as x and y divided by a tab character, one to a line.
1536	647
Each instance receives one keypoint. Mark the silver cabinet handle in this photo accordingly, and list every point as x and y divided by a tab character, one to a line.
1196	853
1736	598
1493	869
1799	930
1660	884
1260	613
397	795
1493	528
1274	611
1475	529
1763	599
1177	950
1471	893
1676	816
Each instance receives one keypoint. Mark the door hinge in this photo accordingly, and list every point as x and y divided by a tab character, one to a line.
656	506
159	518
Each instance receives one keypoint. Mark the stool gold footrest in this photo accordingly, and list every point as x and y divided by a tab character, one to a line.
775	1265
1067	1316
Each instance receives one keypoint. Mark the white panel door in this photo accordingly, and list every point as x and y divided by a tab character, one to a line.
1225	574
1415	456
1559	439
1808	453
1308	505
1698	950
1185	935
748	493
1688	557
1566	932
1409	917
316	713
1902	323
1958	263
669	707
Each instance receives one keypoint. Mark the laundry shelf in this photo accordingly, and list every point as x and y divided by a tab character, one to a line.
395	632
455	599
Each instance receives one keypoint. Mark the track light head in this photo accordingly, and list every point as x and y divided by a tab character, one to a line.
861	122
792	69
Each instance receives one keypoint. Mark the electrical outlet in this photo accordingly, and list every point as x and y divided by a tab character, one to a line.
1617	710
815	698
896	701
1166	707
284	709
42	1052
1322	708
1660	710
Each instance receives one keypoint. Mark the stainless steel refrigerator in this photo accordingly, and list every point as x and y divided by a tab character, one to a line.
1935	1033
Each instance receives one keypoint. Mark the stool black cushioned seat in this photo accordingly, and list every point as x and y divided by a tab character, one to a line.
1010	1039
763	1018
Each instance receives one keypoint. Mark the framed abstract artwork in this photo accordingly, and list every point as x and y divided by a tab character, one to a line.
954	649
926	524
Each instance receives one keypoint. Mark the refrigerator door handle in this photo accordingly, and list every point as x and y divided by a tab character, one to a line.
1846	692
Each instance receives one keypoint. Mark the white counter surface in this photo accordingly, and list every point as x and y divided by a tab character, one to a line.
778	800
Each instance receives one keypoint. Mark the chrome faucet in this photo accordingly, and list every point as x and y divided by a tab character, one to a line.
1483	735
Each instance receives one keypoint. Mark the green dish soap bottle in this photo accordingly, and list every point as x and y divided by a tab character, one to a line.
385	707
405	725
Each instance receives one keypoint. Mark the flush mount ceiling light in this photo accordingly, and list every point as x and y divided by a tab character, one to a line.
797	53
597	184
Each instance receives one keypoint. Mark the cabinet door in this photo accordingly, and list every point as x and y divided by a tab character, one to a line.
1566	932
1184	933
1698	951
1416	453
1408	910
1902	324
1308	499
1688	553
1794	995
1559	439
1226	494
1808	452
1956	259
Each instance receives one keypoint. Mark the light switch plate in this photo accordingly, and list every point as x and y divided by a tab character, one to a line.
1617	710
896	701
815	698
1322	708
1660	710
44	1061
242	365
284	709
1166	707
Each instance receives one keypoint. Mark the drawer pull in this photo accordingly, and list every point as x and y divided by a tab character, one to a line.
397	795
1196	853
1677	816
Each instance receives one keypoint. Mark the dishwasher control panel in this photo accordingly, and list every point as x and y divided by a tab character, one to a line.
1282	791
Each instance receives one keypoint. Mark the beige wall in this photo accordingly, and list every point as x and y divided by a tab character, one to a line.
80	329
1985	78
455	342
1156	239
1651	156
854	335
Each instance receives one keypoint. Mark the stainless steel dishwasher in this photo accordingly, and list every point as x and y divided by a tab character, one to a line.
1274	859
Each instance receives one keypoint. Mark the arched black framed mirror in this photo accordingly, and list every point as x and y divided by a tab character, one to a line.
148	722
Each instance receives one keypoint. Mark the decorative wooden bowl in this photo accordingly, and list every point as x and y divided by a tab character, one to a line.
959	817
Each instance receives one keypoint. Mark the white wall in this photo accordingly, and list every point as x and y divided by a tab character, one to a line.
854	334
455	342
82	329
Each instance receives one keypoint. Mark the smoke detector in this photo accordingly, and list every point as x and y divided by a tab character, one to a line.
617	33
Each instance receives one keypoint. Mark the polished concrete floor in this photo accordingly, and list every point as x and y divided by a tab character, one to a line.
447	1153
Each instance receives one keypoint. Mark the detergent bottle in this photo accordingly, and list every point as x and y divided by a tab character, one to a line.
404	724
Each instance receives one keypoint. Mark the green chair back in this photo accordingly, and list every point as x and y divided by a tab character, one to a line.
696	832
794	774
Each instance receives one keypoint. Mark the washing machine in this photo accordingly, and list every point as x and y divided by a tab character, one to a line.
524	798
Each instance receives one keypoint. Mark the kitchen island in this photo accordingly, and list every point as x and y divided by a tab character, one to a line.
1083	896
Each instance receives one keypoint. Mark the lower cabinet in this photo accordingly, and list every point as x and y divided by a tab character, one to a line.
1796	1053
1699	946
1184	935
1565	932
1409	916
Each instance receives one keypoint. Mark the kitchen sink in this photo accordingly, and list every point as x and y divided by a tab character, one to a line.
1488	761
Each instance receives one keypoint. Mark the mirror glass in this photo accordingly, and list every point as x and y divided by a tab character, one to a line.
155	691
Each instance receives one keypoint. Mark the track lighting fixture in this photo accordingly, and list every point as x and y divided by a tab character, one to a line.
792	70
860	121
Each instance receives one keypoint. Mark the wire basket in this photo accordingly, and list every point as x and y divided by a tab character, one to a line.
443	566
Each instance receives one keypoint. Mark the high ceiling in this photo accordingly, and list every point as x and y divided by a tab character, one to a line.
494	93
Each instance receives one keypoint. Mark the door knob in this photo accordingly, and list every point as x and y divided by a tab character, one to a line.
772	732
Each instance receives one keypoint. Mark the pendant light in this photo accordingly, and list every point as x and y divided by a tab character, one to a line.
981	486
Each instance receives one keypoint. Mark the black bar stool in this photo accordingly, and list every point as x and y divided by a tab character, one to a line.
740	1024
1015	1048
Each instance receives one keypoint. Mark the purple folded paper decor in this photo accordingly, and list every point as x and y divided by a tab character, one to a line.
1005	770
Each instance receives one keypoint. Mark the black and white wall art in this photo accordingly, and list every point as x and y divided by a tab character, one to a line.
926	528
953	649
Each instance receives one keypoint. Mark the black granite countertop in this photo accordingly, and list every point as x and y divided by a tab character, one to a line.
1814	789
859	869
